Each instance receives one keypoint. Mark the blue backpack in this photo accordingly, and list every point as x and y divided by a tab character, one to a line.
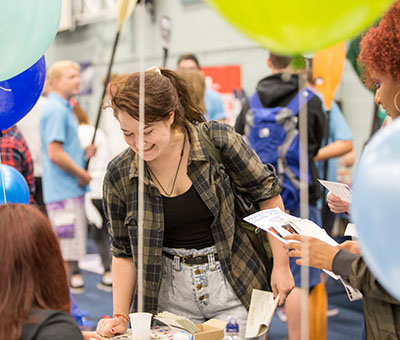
274	135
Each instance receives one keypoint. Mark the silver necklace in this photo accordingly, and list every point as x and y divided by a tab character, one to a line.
176	174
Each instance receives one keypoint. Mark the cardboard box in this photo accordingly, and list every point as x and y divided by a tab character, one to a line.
212	329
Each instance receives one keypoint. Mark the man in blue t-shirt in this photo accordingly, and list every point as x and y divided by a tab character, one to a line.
65	179
212	99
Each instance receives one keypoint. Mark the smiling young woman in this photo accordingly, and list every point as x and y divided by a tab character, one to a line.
188	209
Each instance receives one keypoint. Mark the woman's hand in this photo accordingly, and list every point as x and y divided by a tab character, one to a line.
336	205
351	246
282	282
320	254
109	327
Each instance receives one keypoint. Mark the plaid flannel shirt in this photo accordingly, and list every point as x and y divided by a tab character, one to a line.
14	152
213	182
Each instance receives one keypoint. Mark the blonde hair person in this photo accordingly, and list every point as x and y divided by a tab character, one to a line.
65	178
57	69
197	86
109	124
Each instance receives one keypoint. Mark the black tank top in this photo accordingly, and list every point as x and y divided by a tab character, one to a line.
187	221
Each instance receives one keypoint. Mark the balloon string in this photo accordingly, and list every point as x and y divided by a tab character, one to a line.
4	89
141	51
2	180
304	207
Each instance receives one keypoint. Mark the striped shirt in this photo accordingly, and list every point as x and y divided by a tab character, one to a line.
213	182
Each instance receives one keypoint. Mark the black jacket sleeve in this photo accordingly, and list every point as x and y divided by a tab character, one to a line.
241	118
316	125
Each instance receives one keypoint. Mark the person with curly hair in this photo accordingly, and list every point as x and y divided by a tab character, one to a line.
380	62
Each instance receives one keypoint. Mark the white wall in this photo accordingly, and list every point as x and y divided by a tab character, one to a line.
198	29
358	106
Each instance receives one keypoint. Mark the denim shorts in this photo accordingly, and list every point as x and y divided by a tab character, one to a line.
198	292
68	219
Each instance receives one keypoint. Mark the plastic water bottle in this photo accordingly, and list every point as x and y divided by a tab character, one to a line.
231	329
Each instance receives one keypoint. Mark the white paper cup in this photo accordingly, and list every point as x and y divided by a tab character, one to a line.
140	324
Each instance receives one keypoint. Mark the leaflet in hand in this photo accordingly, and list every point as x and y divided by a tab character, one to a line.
341	190
177	321
261	311
279	224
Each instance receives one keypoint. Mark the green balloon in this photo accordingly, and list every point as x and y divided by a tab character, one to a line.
301	26
27	27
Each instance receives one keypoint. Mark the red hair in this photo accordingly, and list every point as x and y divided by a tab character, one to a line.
32	268
380	47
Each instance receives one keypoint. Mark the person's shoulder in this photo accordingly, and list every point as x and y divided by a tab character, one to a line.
51	103
61	326
315	105
215	126
57	316
241	119
53	106
51	324
316	100
121	162
14	135
220	133
12	132
213	94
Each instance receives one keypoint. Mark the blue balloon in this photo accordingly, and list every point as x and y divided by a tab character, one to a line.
27	29
15	187
18	95
375	208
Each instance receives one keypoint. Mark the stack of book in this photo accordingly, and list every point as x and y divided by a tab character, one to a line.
177	321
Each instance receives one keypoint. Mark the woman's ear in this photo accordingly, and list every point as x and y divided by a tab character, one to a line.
171	118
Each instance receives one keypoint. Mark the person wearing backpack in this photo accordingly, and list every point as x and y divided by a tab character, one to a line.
269	122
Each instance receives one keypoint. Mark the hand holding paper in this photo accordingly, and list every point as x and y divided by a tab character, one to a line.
320	253
340	190
279	224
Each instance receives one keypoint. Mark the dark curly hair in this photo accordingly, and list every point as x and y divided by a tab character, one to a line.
380	47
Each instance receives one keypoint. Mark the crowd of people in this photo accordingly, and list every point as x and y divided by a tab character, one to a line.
197	260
